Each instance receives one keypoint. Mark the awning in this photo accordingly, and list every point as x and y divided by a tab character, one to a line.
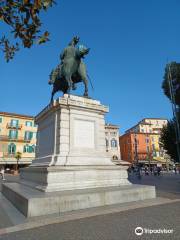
14	161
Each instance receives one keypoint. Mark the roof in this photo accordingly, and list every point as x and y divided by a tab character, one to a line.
138	133
16	115
109	125
144	123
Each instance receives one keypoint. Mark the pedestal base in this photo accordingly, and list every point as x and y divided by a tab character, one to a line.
32	202
60	178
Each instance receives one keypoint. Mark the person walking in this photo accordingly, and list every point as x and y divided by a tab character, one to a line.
2	173
158	171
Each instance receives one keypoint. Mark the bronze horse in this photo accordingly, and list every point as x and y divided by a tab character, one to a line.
71	70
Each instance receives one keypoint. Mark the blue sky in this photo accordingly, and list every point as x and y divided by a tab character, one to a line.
130	43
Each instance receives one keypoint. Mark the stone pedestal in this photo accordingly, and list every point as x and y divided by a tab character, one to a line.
71	132
71	152
72	169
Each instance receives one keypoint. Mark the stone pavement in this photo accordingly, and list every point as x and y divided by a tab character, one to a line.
114	226
112	222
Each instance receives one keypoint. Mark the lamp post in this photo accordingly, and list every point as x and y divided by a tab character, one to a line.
136	155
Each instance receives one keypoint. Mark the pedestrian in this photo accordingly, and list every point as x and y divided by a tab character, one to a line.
158	171
146	171
154	170
2	173
151	170
175	170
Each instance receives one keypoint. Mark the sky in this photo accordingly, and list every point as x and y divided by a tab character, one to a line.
130	43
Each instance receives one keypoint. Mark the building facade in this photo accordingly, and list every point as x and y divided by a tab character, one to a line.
149	125
112	141
141	143
17	134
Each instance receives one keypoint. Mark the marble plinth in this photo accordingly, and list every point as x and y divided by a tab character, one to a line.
32	202
60	178
71	131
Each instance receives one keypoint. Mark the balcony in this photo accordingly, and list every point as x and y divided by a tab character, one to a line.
9	155
11	126
8	139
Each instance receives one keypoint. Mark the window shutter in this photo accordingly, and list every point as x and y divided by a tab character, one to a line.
31	135
10	133
25	135
16	134
9	148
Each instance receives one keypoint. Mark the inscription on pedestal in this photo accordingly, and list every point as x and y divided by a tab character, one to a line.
84	134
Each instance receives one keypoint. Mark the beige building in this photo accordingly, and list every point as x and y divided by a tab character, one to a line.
17	134
112	141
149	125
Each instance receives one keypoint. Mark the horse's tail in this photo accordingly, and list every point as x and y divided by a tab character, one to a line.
90	81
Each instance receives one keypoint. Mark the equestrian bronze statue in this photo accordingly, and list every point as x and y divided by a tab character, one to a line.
71	70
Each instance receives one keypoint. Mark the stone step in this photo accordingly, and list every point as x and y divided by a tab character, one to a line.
32	202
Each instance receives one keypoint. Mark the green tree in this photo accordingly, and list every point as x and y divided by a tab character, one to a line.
168	140
18	157
175	78
22	16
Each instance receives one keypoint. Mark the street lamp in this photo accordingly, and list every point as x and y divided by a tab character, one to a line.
136	155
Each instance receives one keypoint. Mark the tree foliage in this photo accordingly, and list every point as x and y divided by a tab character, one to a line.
175	76
18	156
168	140
22	16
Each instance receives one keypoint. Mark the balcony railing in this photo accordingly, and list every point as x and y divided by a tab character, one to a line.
8	138
11	126
9	155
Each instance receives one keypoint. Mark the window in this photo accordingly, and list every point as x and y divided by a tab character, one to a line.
107	143
113	143
153	147
29	149
11	148
0	119
26	148
147	140
142	130
34	135
33	148
35	125
113	133
28	124
14	122
13	134
147	149
154	154
152	139
28	135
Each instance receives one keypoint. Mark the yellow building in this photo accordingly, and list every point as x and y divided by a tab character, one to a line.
17	134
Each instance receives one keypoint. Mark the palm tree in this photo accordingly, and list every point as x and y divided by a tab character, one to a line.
18	157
